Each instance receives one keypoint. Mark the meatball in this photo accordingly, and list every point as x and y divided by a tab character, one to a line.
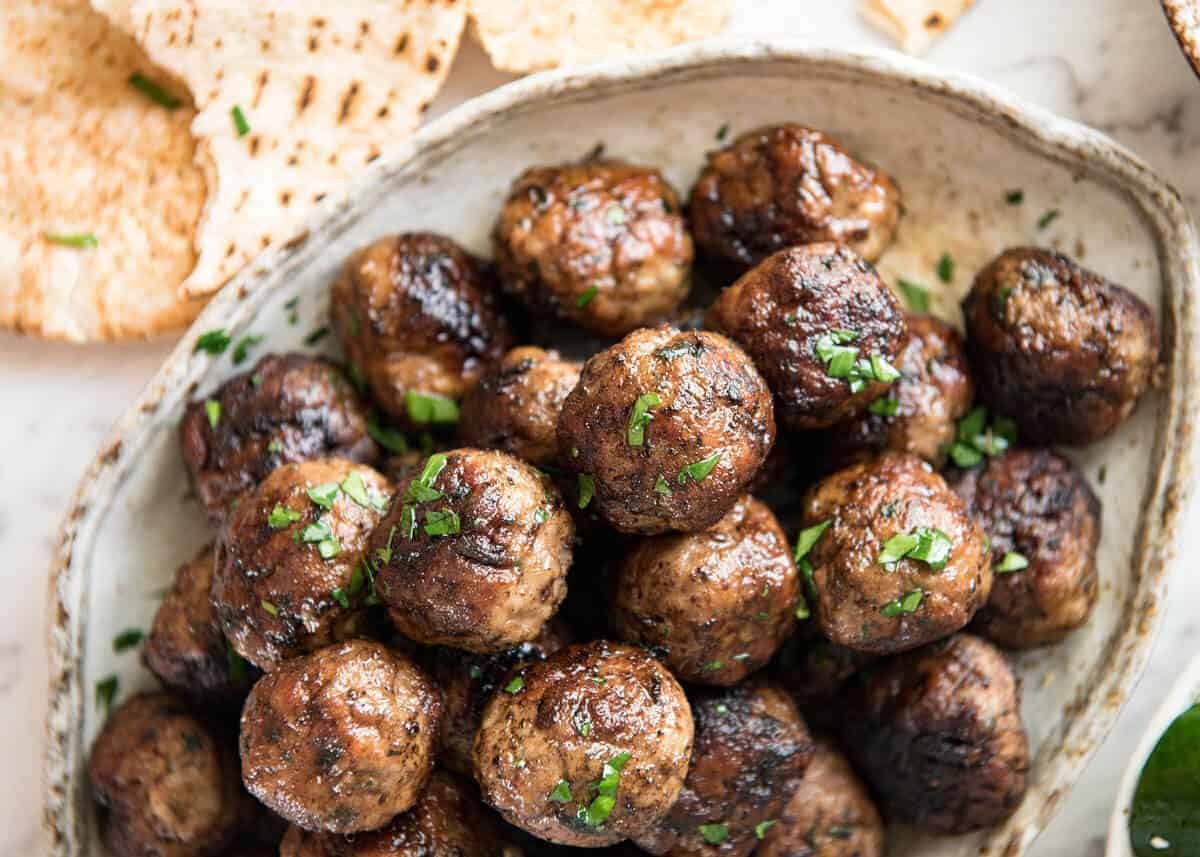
830	815
185	647
289	573
669	427
898	561
750	753
586	748
288	408
418	319
919	414
938	735
821	327
717	603
601	243
1044	523
166	783
1062	351
515	407
474	553
780	186
340	740
813	670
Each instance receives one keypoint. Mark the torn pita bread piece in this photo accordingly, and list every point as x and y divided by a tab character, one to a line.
528	35
914	24
295	97
99	195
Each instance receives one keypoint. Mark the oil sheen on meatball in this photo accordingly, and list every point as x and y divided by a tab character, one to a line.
900	561
716	604
417	317
288	408
586	748
341	740
601	243
938	735
1062	351
751	751
1044	523
515	407
784	185
668	427
822	328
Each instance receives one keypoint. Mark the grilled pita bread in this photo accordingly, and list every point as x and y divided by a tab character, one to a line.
914	24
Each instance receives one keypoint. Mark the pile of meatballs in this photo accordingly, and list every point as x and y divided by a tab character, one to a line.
737	583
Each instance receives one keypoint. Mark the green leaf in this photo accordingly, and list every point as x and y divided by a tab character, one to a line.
515	685
801	609
154	91
945	268
917	297
897	548
884	407
275	447
317	335
314	532
616	215
329	548
587	489
106	692
640	416
238	666
128	639
662	486
430	408
561	793
760	829
1012	561
77	240
714	834
213	341
356	489
281	516
722	132
587	296
1047	218
883	370
597	812
1015	197
908	604
442	522
212	408
926	544
387	437
269	607
965	456
242	350
239	121
1165	815
325	494
698	470
808	537
341	597
972	425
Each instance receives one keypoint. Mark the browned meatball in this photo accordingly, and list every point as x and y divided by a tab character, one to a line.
717	603
821	327
168	785
515	407
938	735
288	408
185	647
474	553
750	754
417	317
830	815
785	185
920	412
669	426
289	565
340	740
588	747
601	243
1062	351
900	562
1044	523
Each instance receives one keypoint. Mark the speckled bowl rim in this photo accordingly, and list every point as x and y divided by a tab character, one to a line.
1184	18
1039	131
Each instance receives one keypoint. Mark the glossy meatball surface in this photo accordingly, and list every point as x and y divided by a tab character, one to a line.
1059	349
938	735
900	561
669	426
784	185
1044	523
288	562
340	740
474	553
417	316
586	748
601	243
822	328
288	408
717	603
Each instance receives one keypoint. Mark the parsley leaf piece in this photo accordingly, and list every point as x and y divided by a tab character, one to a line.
597	812
242	350
106	692
387	437
324	494
269	607
239	121
442	522
884	407
662	486
916	296
515	685
281	516
698	470
587	296
317	335
128	639
808	537
1011	562
212	408
561	793
213	341
341	597
760	829
430	408
640	417
900	606
77	240
1015	197
1047	218
945	268
154	91
897	548
587	489
714	834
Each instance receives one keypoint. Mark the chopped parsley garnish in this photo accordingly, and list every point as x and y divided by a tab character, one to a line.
760	829
242	350
324	494
917	297
976	438
128	639
78	240
317	335
106	692
640	417
340	596
237	665
442	522
421	489
714	834
1047	218
1102	474
1015	197
597	812
838	832
587	489
475	672
586	298
269	607
615	215
541	515
698	470
899	606
275	446
356	489
884	407
256	380
561	793
281	516
722	132
239	121
945	268
712	666
801	610
318	533
515	685
213	341
842	361
929	545
662	486
293	307
386	436
430	408
153	91
213	409
1012	561
583	726
808	537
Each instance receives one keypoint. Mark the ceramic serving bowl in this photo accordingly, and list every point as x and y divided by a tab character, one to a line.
959	149
1184	16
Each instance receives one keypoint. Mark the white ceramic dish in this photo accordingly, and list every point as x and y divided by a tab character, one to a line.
957	147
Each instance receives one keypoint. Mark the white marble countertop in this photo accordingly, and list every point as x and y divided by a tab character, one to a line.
1112	64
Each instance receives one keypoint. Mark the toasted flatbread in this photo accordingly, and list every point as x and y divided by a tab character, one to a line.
914	24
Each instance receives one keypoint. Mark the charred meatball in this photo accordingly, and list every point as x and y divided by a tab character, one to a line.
717	603
1060	349
669	428
340	740
166	783
822	328
602	244
785	185
750	753
830	815
1044	523
288	408
588	747
938	735
920	412
898	561
515	407
289	573
417	317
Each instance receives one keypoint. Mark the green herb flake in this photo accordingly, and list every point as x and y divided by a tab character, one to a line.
239	121
640	417
212	341
1011	562
722	708
916	296
324	495
341	597
242	350
714	834
1164	818
1102	474
926	544
317	335
154	91
275	447
760	829
237	666
808	537
583	726
662	486
128	639
900	606
616	215
430	408
587	489
587	296
442	522
475	672
801	610
106	692
541	515
884	407
515	685
269	607
698	470
256	381
281	516
1046	219
976	438
965	456
387	437
722	132
883	370
897	548
712	666
1015	197
292	305
561	793
212	408
597	812
945	268
76	240
355	488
